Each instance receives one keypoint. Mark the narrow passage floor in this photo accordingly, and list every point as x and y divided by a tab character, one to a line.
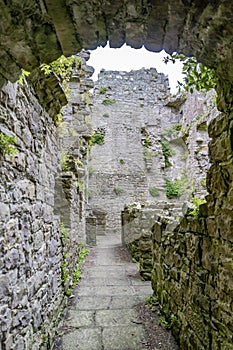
102	313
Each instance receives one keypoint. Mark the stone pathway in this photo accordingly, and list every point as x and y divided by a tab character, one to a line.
102	314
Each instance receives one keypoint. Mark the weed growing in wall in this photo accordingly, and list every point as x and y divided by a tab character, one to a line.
197	202
167	152
63	68
153	191
108	101
146	142
117	190
80	186
106	115
7	145
152	302
64	232
168	322
203	183
97	138
102	90
65	274
64	161
174	130
22	77
91	171
82	253
175	188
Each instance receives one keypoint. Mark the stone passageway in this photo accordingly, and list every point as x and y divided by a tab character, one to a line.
102	313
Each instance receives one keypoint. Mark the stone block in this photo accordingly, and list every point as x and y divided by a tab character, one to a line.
4	212
5	318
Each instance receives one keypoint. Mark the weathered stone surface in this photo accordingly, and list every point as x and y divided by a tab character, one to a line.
35	198
34	33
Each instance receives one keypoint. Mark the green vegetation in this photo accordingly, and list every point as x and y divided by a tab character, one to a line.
147	142
102	90
64	272
80	186
64	232
7	145
175	188
63	68
168	322
64	161
106	115
196	75
122	161
74	279
68	292
79	163
91	171
87	98
97	138
152	302
167	152
23	75
174	130
203	182
82	253
117	190
108	101
197	202
58	119
89	193
154	191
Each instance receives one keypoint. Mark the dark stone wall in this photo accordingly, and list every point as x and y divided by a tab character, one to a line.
192	277
37	32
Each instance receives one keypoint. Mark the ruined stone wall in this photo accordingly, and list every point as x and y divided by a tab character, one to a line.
130	161
192	260
137	118
31	289
198	111
192	256
192	277
42	209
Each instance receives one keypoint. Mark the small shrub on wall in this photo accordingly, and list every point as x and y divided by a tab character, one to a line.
97	138
7	145
175	188
154	191
117	190
108	101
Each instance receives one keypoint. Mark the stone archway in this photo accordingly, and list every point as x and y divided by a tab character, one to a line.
32	33
40	32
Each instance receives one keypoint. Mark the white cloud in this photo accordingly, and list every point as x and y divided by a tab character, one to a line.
127	59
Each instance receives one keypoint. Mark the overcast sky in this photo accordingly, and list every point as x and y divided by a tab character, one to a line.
127	59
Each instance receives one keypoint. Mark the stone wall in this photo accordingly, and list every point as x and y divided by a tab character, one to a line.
137	220
192	277
136	115
130	161
42	209
31	290
35	32
192	259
